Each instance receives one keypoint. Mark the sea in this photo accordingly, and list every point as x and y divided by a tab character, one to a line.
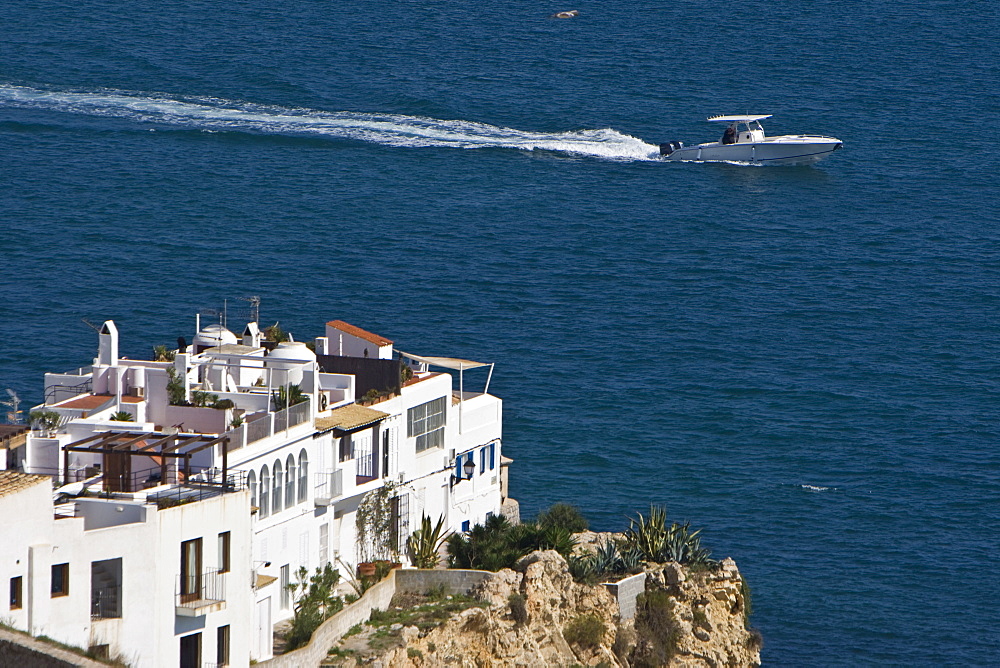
804	362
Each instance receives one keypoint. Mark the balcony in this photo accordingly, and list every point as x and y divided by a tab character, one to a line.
329	486
200	593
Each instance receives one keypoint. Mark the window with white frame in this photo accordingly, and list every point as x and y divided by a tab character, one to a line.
290	481
426	423
276	489
324	545
303	476
265	485
252	484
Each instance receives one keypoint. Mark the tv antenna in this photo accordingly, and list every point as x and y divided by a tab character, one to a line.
254	307
13	415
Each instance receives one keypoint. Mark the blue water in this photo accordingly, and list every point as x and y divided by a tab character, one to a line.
803	361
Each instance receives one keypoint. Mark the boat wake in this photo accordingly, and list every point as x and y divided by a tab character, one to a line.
214	114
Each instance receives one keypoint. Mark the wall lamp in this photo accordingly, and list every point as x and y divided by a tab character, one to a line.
468	468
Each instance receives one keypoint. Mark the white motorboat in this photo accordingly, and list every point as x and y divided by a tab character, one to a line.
744	141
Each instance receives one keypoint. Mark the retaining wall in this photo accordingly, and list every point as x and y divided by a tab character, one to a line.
626	592
412	581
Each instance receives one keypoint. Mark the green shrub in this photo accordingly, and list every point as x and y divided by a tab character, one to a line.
414	653
655	626
315	602
564	516
585	630
499	544
518	608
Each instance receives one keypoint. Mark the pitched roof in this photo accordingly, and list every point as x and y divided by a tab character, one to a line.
12	482
358	332
350	418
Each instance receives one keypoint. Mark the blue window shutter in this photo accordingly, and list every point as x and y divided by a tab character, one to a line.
458	467
482	461
492	455
465	525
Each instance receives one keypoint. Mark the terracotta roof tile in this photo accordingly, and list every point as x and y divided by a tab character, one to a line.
360	333
86	402
349	417
12	482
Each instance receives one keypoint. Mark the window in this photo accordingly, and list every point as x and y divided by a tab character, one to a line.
465	525
252	484
482	461
346	448
15	592
265	485
324	545
290	481
276	489
190	570
303	476
60	580
191	651
285	581
493	455
426	423
222	646
224	540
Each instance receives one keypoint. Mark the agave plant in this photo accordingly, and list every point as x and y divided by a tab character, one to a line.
424	543
648	535
606	559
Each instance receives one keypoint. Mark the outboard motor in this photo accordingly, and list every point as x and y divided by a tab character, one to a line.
670	147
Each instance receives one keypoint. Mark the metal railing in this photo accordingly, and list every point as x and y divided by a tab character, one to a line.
197	589
105	603
329	485
291	416
202	485
259	428
272	423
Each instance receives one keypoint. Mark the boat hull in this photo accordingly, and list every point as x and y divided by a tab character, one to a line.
791	150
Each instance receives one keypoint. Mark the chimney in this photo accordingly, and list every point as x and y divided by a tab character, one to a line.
107	354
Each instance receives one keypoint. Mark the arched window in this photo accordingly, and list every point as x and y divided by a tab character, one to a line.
265	485
290	481
276	490
252	485
303	476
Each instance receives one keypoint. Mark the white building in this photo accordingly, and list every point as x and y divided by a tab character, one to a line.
152	581
367	418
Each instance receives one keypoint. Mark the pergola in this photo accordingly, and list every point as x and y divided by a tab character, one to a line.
117	448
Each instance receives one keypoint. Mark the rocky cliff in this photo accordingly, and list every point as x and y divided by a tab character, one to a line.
538	616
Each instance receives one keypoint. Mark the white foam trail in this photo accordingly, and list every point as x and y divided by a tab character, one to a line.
389	129
815	488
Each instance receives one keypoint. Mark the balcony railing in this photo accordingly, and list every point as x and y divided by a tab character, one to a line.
105	603
197	591
272	423
329	486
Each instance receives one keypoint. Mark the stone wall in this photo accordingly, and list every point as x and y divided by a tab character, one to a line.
415	581
626	592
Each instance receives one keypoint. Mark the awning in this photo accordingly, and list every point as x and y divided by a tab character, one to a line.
455	363
351	418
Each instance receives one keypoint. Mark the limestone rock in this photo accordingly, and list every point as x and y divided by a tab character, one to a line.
706	609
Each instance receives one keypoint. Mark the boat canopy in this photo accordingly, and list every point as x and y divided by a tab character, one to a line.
737	119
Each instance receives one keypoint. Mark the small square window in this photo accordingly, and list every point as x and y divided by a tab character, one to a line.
15	593
465	525
60	580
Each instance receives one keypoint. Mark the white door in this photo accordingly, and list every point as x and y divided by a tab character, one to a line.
263	637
